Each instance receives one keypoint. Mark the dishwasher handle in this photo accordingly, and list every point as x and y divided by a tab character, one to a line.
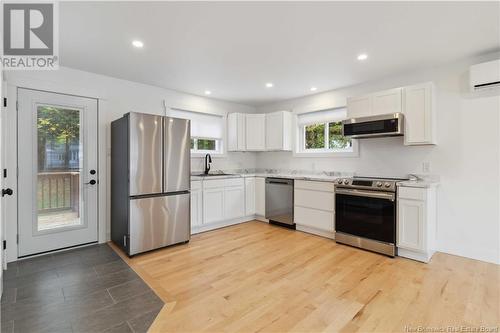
280	181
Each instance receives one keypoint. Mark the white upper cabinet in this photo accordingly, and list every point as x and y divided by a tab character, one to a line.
279	130
259	132
387	101
256	132
419	111
359	106
416	102
236	132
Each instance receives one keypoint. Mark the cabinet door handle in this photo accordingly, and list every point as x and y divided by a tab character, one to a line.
7	191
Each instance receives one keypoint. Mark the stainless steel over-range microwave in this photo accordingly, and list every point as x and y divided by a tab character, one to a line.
374	126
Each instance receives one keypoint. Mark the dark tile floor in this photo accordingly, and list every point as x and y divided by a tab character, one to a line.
89	289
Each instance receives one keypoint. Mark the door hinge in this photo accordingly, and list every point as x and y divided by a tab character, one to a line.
17	106
17	239
4	244
125	240
5	102
4	173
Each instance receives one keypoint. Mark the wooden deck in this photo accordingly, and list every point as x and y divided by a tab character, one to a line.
57	219
255	277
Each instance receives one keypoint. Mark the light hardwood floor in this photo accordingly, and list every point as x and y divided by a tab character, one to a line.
254	277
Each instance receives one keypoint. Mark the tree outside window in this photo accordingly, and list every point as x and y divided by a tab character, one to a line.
315	136
335	138
202	145
326	137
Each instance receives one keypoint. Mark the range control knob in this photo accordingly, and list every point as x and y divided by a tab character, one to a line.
379	184
346	181
339	180
387	185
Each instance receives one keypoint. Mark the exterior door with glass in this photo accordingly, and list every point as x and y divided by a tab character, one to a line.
57	178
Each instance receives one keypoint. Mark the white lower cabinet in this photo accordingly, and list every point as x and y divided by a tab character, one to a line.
213	205
234	202
416	222
220	202
314	207
196	204
411	224
250	196
260	197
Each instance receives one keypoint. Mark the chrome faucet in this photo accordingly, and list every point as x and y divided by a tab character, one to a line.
208	160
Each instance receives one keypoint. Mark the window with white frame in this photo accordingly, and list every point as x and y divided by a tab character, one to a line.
320	132
206	131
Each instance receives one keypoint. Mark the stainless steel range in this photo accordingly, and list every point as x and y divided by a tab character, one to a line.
365	213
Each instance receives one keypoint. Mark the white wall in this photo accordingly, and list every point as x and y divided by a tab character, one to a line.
117	97
466	157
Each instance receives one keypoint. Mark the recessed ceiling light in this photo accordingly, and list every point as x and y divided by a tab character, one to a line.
208	92
269	85
313	89
138	43
363	56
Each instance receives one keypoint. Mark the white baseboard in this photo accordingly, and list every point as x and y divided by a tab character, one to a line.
317	232
222	224
419	256
261	218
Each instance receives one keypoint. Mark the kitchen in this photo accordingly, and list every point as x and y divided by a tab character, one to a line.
355	188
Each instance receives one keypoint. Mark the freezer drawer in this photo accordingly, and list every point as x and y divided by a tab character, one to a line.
158	221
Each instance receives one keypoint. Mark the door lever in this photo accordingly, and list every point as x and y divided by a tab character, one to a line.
92	182
7	191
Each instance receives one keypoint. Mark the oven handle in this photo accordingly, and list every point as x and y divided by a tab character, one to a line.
369	194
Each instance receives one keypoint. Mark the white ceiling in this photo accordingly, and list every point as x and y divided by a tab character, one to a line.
233	49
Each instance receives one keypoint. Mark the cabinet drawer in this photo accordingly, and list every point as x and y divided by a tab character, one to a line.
315	199
315	186
314	218
213	183
411	193
196	185
234	182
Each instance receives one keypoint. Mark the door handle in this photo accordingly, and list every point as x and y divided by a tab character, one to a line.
92	182
7	191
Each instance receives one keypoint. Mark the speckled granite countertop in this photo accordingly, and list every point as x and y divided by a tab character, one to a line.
422	183
328	176
325	176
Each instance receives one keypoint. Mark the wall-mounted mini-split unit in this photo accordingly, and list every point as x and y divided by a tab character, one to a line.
485	75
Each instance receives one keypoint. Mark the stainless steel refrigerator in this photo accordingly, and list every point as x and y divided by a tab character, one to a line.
150	182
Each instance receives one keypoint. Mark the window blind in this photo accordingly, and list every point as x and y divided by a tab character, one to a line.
203	125
322	116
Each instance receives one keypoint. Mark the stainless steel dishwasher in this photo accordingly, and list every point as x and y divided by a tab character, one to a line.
279	201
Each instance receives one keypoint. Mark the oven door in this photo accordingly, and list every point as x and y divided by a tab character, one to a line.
367	214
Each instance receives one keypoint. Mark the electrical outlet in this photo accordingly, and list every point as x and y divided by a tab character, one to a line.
426	167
